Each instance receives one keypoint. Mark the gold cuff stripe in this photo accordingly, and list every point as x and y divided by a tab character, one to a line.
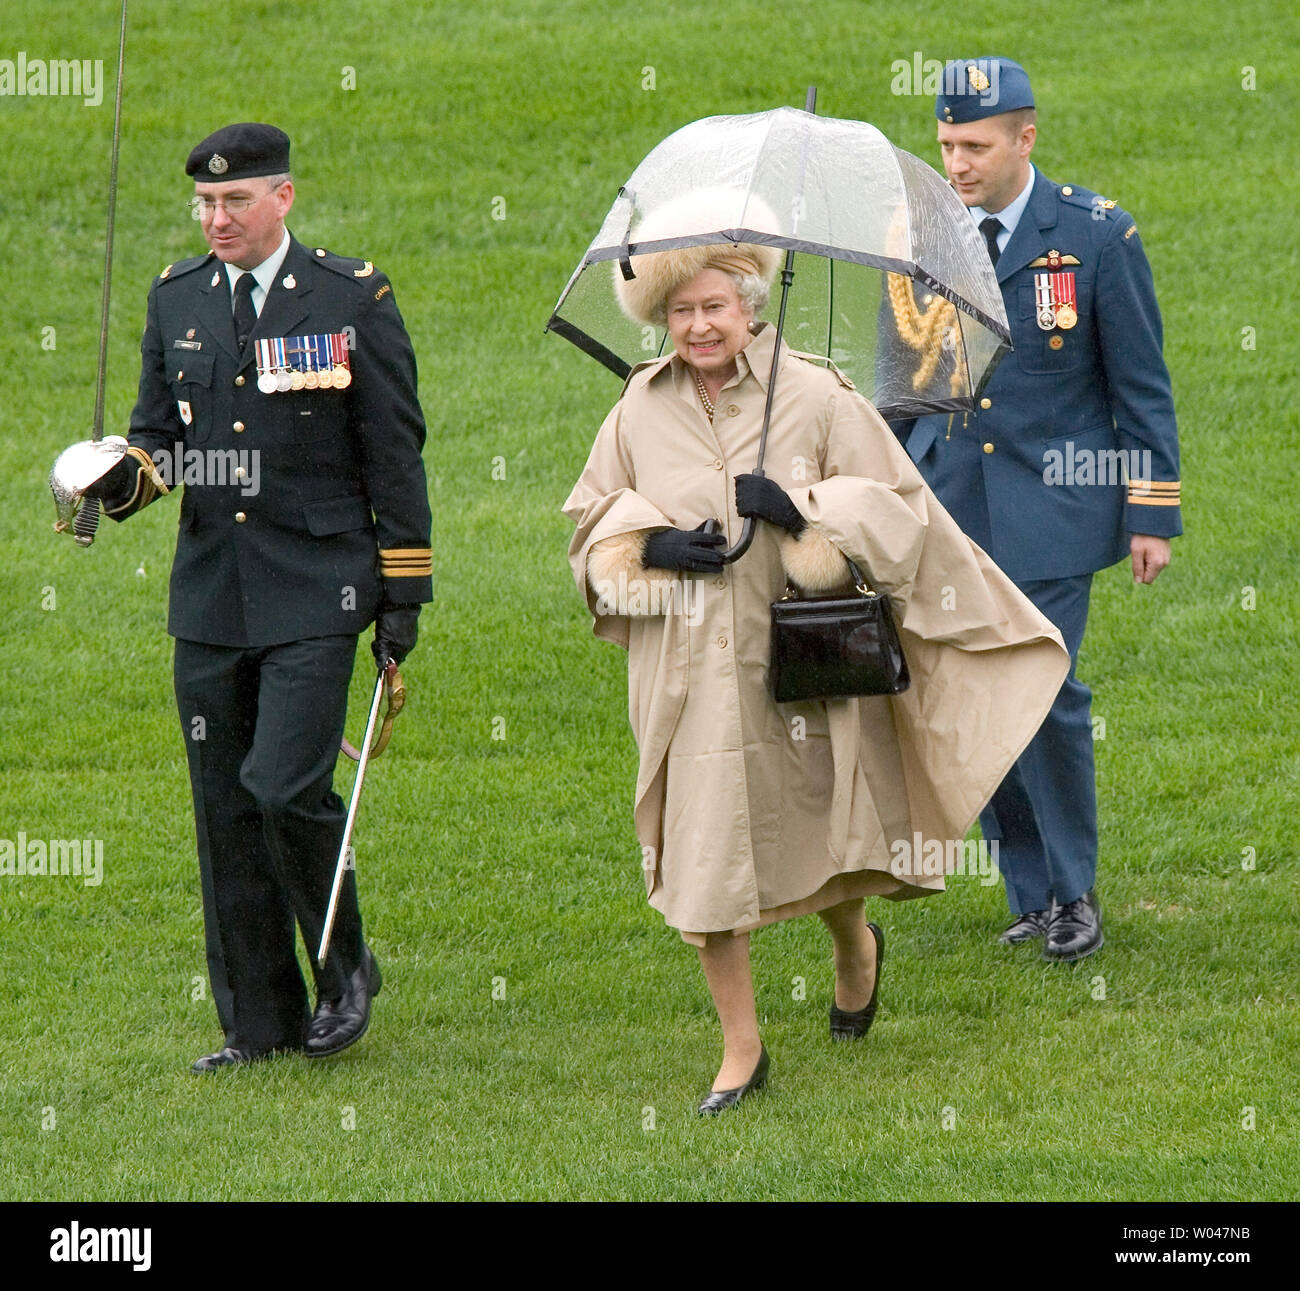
406	562
1154	493
146	463
148	483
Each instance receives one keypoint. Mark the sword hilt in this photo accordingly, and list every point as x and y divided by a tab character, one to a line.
87	521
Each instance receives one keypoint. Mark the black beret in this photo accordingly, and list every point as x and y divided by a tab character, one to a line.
242	151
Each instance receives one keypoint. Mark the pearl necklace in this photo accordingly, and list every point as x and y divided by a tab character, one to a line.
704	396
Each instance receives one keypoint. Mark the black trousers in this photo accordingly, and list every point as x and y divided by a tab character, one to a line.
262	730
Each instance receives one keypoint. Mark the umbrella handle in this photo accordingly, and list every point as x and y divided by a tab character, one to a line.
742	544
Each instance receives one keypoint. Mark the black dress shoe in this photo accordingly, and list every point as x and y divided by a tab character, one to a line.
339	1023
720	1099
1074	929
846	1025
226	1057
1027	927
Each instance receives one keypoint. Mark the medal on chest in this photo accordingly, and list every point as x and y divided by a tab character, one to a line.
1056	299
265	367
317	361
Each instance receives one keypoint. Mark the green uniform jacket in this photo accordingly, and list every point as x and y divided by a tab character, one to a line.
330	515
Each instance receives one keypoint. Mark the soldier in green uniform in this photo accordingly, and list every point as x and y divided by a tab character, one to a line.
278	389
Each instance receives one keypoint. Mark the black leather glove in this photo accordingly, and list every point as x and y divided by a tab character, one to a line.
756	495
111	483
692	549
395	632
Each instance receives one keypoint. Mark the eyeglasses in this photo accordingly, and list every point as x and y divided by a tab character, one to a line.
204	208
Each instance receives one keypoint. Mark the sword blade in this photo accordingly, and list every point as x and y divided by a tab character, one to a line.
87	521
97	429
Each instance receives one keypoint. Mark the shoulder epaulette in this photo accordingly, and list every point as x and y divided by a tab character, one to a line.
1086	199
182	267
344	266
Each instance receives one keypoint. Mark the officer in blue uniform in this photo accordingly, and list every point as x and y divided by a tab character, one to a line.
278	387
1069	463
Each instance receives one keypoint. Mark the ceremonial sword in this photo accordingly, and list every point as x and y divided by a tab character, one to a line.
87	521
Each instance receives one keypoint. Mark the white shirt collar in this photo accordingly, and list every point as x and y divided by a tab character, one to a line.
263	274
1009	215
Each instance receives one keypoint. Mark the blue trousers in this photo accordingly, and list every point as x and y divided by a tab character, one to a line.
1044	814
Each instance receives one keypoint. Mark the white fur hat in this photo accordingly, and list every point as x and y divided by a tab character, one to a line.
660	273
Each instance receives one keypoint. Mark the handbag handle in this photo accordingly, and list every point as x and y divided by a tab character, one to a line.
859	582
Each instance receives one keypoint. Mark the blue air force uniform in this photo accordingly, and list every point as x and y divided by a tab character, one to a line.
1072	449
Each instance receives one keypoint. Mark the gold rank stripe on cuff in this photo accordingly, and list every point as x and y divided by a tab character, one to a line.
148	483
1155	493
406	562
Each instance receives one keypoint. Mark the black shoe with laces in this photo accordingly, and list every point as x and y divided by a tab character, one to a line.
1074	929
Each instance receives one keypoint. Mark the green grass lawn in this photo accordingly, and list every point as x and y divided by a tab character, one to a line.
541	1034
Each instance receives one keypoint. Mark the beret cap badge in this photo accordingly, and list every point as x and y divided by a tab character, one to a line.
244	150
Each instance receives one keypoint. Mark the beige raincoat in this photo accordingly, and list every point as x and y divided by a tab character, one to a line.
749	811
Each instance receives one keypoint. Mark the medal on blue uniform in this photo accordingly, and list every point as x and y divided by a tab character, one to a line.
1056	301
1044	305
1066	298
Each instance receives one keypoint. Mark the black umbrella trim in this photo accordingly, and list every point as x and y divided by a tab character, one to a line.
589	345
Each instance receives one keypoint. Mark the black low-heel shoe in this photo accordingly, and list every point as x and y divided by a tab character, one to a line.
719	1100
853	1026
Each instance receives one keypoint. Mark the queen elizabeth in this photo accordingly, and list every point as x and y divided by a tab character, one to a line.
749	811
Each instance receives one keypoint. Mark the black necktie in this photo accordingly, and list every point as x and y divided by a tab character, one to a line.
245	314
991	226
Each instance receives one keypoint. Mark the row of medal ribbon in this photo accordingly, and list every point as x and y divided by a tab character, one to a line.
1055	301
315	362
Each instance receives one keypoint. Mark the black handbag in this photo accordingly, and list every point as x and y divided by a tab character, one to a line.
824	647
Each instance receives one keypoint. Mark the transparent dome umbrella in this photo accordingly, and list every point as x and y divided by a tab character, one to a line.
896	287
